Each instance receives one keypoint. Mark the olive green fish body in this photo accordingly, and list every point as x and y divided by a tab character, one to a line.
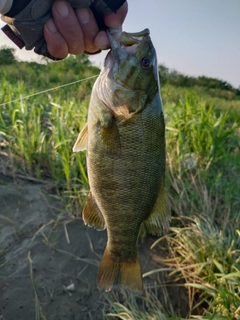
125	140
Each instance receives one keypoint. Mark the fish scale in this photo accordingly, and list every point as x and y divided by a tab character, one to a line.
125	141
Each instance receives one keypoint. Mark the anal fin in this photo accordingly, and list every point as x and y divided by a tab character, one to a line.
92	215
159	219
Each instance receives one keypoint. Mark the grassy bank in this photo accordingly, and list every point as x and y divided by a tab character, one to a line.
203	181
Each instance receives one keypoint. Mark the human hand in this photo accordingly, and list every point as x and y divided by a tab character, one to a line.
75	31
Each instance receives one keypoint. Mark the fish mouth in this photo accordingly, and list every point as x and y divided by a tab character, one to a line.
124	41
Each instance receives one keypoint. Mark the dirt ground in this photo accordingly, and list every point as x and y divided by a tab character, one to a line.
49	262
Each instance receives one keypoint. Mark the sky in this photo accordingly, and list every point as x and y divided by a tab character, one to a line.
194	37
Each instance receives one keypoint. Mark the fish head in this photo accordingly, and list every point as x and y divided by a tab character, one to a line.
132	61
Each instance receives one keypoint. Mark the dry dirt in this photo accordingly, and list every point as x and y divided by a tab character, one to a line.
49	262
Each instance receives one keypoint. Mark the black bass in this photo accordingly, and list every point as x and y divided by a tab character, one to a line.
125	142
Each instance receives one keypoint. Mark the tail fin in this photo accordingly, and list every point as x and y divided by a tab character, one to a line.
114	272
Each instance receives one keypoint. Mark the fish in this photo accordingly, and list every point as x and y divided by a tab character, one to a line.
125	141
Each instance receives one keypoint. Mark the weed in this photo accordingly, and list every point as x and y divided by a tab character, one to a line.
39	314
203	182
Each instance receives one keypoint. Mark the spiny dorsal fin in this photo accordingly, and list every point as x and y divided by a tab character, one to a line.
92	214
158	221
82	140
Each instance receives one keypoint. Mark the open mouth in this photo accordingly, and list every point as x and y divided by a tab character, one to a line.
123	42
126	39
130	42
130	39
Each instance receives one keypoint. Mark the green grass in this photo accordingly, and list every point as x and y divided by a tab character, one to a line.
39	133
203	182
208	259
137	308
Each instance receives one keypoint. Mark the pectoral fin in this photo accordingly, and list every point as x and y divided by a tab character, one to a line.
109	134
158	221
123	113
82	140
92	214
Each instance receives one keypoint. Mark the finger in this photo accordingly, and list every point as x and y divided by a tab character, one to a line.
68	25
89	28
101	41
56	44
112	20
115	20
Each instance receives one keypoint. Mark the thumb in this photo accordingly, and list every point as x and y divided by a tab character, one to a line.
115	20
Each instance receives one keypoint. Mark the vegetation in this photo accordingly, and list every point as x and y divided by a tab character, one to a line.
203	175
7	56
215	86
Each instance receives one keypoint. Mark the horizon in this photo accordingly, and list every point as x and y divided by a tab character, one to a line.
199	39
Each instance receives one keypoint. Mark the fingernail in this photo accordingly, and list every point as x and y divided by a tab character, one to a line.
51	26
62	9
101	41
83	15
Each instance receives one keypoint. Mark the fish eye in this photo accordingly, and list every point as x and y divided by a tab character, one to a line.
145	62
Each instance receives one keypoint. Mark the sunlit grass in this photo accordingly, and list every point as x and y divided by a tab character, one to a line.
209	261
203	182
203	156
39	135
147	307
